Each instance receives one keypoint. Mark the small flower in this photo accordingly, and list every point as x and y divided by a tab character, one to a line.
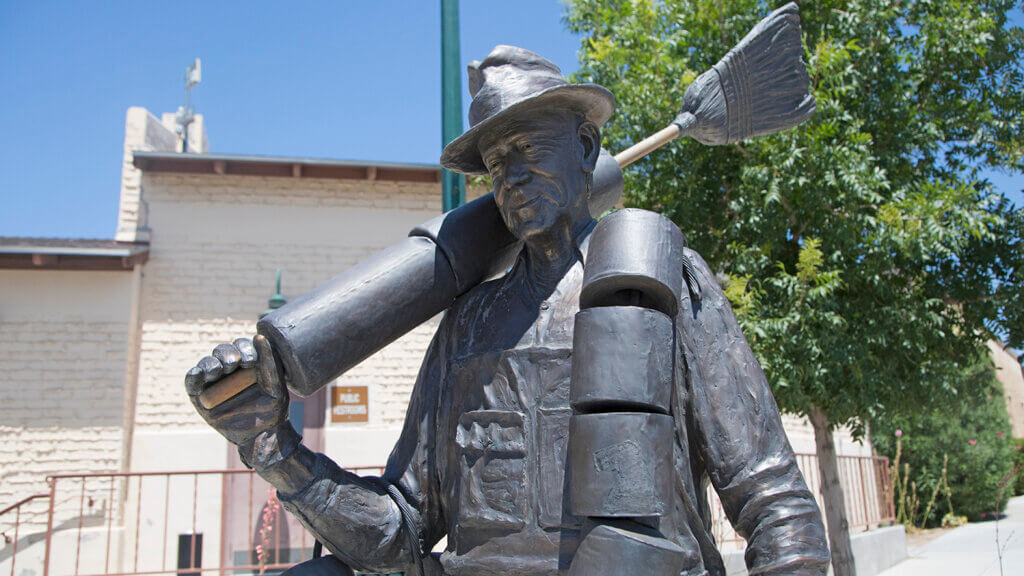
982	514
899	433
1000	434
972	442
1019	447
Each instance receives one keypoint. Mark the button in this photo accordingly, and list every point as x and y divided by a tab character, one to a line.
544	305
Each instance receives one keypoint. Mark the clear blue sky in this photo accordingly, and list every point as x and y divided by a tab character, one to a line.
332	79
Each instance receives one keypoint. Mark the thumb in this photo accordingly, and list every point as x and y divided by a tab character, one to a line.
267	376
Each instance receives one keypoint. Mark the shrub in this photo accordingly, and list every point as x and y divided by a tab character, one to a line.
975	433
1018	461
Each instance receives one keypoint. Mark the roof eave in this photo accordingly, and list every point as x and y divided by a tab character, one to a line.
51	258
241	165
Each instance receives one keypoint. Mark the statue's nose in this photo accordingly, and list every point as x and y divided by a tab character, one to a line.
518	172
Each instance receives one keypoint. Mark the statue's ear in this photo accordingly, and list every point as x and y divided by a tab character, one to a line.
590	140
476	77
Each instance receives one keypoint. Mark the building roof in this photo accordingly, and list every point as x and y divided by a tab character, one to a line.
233	164
70	254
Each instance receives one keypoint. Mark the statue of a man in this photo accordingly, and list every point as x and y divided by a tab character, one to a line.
481	458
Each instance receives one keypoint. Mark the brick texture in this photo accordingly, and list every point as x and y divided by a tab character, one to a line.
216	242
61	391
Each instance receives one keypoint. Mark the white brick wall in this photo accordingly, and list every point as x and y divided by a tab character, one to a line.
1010	375
142	131
216	242
63	348
801	437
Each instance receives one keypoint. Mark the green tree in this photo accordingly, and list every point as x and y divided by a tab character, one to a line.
865	256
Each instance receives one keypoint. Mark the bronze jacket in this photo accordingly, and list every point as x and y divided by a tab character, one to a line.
482	454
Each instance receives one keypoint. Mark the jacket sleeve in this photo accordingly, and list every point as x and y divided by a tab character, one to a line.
368	522
735	425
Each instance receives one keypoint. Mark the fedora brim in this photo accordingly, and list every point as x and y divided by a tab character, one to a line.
595	102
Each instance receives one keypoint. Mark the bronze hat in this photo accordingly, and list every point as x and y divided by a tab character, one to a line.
511	83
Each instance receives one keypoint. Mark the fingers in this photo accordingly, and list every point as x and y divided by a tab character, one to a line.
207	370
229	357
212	369
194	381
248	352
266	368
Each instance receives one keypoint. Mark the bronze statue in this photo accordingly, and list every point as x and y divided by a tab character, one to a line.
570	412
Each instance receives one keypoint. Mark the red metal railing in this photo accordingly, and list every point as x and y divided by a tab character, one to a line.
17	510
120	524
126	523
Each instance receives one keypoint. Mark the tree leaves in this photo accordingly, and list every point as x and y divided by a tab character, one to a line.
865	259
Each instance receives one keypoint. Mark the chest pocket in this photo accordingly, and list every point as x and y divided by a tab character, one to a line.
511	442
492	446
553	431
540	378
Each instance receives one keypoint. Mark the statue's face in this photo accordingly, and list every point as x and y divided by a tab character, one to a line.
537	169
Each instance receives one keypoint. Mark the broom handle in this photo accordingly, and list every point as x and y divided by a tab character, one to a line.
239	380
227	387
648	145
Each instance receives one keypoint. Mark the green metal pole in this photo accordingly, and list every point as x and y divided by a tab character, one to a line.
453	185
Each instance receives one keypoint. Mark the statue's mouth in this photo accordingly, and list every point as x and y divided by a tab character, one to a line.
528	202
523	198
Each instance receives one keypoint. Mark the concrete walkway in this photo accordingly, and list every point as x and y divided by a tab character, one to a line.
971	550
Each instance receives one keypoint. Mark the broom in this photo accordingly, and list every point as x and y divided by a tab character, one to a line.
760	87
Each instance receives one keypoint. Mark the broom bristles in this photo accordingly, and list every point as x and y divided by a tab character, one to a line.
759	87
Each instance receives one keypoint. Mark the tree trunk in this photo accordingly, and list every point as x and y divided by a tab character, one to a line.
832	496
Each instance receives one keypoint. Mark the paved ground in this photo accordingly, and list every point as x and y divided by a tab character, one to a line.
971	550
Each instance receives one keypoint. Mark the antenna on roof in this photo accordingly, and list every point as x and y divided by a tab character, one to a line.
185	114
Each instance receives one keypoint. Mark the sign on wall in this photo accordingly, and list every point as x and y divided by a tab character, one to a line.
350	404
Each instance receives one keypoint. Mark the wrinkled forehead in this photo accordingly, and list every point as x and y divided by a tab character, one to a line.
554	126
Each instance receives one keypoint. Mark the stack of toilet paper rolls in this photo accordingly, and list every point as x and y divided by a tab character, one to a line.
621	432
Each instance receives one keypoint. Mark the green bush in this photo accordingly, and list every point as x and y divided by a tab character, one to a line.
1018	462
975	433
